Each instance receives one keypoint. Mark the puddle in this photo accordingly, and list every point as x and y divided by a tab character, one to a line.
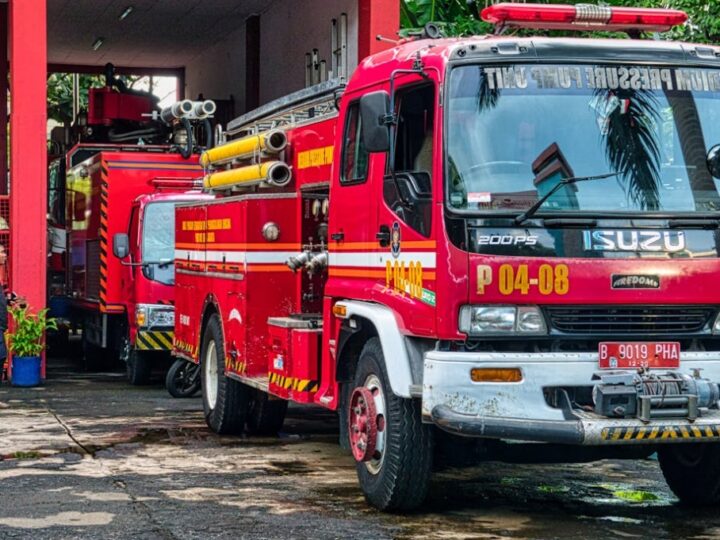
289	467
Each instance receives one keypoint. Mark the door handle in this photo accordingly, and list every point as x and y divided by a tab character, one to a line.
338	236
383	236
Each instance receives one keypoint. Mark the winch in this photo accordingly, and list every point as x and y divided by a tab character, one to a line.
646	395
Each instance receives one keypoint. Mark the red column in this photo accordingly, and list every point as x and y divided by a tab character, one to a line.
377	17
3	94
27	40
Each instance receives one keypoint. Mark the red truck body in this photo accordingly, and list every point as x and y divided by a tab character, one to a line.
467	269
110	193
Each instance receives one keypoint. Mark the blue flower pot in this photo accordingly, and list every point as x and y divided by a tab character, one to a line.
26	371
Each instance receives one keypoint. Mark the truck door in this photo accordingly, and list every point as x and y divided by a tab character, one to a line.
405	243
353	212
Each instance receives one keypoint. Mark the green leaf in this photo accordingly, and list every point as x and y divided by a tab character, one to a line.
28	335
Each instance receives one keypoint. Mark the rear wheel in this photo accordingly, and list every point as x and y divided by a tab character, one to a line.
265	415
138	368
92	354
225	401
392	447
692	471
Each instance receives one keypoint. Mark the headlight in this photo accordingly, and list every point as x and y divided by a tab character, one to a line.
151	315
716	325
501	320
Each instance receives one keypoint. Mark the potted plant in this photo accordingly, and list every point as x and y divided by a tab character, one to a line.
26	344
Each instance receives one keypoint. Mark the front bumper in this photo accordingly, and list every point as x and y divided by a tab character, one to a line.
519	411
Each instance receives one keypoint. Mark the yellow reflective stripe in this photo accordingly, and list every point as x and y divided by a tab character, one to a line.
162	339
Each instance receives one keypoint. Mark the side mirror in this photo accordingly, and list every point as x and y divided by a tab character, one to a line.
713	161
374	107
121	245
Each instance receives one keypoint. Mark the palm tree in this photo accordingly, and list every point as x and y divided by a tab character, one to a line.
692	144
631	146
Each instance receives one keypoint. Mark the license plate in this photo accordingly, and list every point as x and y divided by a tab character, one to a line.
638	354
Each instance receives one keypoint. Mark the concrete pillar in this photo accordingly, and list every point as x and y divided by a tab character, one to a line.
376	17
28	152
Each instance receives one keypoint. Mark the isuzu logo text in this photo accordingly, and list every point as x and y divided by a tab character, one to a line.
651	241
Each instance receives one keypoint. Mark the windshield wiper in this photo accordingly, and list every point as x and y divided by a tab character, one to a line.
690	223
530	212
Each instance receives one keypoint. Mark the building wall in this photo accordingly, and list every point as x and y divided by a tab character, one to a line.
288	30
220	70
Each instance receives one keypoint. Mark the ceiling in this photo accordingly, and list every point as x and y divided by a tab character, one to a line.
158	33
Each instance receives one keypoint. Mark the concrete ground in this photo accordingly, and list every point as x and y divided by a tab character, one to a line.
87	456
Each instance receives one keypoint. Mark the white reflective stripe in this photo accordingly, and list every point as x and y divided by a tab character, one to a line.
379	260
252	257
224	256
269	256
185	255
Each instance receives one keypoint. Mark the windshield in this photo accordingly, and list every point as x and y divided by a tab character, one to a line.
158	242
514	132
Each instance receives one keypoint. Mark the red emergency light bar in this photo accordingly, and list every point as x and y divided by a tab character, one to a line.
582	17
175	183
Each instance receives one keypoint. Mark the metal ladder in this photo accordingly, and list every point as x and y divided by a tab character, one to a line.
305	106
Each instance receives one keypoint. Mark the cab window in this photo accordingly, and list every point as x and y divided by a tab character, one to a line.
354	155
409	193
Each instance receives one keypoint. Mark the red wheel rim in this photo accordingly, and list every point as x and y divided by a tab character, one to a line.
362	424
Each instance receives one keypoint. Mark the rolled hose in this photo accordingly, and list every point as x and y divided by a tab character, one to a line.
273	173
129	135
209	134
270	142
187	151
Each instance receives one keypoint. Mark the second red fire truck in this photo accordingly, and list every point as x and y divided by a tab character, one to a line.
501	237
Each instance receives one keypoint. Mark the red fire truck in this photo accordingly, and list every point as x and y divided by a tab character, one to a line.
132	163
501	237
124	302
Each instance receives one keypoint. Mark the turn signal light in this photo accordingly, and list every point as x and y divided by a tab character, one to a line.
340	311
499	375
583	17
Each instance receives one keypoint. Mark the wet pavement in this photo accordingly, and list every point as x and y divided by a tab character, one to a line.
87	456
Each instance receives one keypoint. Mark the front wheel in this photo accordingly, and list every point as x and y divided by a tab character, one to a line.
225	401
392	447
138	368
692	471
183	379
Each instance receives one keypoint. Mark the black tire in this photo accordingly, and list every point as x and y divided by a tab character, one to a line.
226	410
265	416
138	368
183	379
692	471
402	478
92	356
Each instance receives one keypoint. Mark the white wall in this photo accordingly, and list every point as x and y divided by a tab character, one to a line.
288	30
291	28
220	70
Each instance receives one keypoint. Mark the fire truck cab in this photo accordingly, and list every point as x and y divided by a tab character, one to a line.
505	238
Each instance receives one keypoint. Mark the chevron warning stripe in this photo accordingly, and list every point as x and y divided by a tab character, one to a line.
293	383
154	340
103	239
659	433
